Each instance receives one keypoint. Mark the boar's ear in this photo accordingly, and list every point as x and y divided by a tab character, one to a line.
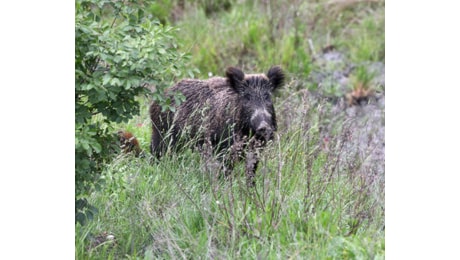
235	78
276	76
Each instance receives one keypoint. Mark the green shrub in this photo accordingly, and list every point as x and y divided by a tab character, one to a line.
119	54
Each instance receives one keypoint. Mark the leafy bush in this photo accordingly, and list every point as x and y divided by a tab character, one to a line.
120	53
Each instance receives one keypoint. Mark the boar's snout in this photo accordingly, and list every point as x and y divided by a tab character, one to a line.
264	132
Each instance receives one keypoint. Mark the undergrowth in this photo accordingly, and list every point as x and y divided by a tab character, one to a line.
312	200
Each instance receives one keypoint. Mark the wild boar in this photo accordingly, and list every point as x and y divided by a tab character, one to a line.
226	112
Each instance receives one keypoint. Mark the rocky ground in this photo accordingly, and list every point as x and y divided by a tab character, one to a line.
361	124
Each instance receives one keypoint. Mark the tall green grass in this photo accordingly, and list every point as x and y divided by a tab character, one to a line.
310	201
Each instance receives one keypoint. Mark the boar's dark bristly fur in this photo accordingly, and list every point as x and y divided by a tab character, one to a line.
220	111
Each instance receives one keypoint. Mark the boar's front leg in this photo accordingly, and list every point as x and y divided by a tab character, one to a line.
252	161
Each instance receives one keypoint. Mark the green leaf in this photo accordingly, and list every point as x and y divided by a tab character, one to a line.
81	203
106	79
88	86
115	82
128	84
80	218
190	73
